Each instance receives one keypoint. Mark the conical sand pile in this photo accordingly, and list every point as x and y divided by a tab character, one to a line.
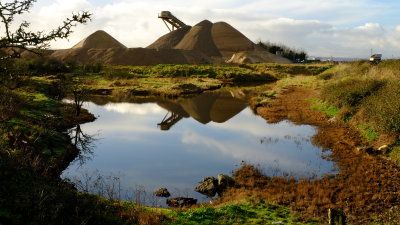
199	39
99	39
218	40
229	40
170	40
100	47
203	43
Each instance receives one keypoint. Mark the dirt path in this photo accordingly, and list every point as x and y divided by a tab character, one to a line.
367	186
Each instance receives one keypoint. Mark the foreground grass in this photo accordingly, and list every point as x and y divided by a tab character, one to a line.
249	211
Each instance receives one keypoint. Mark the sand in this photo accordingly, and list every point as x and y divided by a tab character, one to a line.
99	39
248	57
171	39
206	42
199	39
131	56
229	40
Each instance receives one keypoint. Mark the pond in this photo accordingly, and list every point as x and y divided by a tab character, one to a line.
150	143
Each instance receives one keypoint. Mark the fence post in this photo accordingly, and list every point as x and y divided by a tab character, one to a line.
336	217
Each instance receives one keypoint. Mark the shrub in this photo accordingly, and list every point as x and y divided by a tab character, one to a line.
350	92
42	66
287	52
383	107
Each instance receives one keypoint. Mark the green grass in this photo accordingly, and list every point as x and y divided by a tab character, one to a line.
324	107
245	212
350	92
368	132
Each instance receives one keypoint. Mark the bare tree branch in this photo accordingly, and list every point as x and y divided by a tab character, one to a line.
13	42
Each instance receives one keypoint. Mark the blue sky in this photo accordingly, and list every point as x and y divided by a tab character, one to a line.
339	28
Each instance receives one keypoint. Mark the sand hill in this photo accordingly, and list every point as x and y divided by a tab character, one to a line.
206	42
99	39
101	47
170	40
199	39
229	40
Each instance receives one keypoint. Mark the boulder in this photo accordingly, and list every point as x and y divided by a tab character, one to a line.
180	202
162	192
225	181
208	186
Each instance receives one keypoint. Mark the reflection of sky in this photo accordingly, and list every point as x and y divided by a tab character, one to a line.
130	143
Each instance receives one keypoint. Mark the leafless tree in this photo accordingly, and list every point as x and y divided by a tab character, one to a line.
12	42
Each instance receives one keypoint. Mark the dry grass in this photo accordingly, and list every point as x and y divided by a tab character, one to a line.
366	187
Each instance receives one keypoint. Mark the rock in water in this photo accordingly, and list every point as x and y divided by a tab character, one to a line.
162	192
208	186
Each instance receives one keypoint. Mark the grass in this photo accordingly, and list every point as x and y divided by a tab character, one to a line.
324	107
368	132
365	94
249	211
229	73
395	154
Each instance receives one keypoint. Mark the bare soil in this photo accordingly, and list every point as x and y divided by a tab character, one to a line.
367	185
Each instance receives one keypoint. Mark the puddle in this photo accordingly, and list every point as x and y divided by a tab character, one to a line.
175	143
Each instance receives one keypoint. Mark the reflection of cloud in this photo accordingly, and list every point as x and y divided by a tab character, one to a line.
241	151
248	123
129	108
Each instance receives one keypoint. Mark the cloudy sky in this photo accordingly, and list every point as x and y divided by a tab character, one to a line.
338	28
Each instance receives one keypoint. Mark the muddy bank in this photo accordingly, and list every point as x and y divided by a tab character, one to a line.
367	185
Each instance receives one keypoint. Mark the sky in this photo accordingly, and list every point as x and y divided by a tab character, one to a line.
325	28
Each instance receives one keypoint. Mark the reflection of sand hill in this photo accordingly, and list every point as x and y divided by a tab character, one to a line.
226	107
205	42
173	107
216	106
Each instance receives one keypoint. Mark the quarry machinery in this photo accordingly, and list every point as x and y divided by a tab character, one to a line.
168	18
169	120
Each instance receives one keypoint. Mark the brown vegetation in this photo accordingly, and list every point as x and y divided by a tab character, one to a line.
366	186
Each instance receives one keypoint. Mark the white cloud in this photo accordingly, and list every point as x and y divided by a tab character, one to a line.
325	28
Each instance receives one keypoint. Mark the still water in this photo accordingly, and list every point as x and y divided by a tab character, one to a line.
175	143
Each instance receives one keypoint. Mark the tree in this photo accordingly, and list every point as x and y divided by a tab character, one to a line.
13	42
81	94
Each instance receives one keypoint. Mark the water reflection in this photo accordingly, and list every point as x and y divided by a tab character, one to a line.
83	142
133	145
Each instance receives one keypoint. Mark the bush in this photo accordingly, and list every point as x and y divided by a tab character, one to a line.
383	107
42	66
290	53
350	92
